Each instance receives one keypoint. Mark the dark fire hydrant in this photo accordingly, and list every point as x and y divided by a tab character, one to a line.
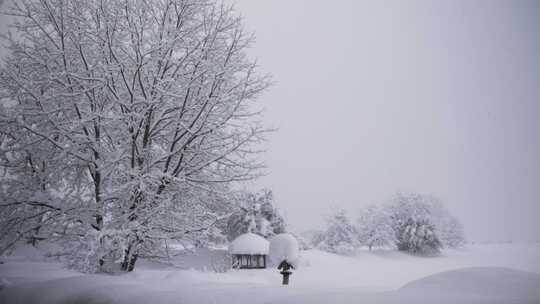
285	267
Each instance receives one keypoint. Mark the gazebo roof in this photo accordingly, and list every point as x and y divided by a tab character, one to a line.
249	243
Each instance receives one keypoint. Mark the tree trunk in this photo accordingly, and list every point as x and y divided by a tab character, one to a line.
130	258
34	239
127	256
132	262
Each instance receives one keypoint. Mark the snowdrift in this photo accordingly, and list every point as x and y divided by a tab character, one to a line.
475	285
494	281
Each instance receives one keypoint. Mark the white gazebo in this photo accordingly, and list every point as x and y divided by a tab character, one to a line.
249	251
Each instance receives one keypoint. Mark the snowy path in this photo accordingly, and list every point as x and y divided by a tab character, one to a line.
323	278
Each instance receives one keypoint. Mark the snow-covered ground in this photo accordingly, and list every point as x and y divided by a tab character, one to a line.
495	273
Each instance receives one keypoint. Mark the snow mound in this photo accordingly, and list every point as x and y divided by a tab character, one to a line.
249	243
493	281
284	246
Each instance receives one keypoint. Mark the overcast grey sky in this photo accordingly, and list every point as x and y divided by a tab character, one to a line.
374	97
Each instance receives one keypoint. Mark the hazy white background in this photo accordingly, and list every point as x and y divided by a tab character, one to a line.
374	97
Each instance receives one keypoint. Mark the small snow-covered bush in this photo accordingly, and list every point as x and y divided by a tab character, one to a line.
284	246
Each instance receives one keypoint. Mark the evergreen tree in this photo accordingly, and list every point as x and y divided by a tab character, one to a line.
340	235
256	214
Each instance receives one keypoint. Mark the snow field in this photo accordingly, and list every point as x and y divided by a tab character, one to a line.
505	273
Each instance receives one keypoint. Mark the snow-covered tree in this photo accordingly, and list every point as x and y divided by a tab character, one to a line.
419	236
313	237
449	228
256	214
374	226
422	224
123	124
340	235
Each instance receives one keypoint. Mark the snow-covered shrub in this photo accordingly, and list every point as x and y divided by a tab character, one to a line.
418	236
423	225
283	246
95	252
221	263
340	235
256	214
374	226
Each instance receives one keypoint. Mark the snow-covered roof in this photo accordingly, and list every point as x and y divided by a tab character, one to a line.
249	243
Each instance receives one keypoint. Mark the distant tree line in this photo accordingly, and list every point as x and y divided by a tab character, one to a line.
414	223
